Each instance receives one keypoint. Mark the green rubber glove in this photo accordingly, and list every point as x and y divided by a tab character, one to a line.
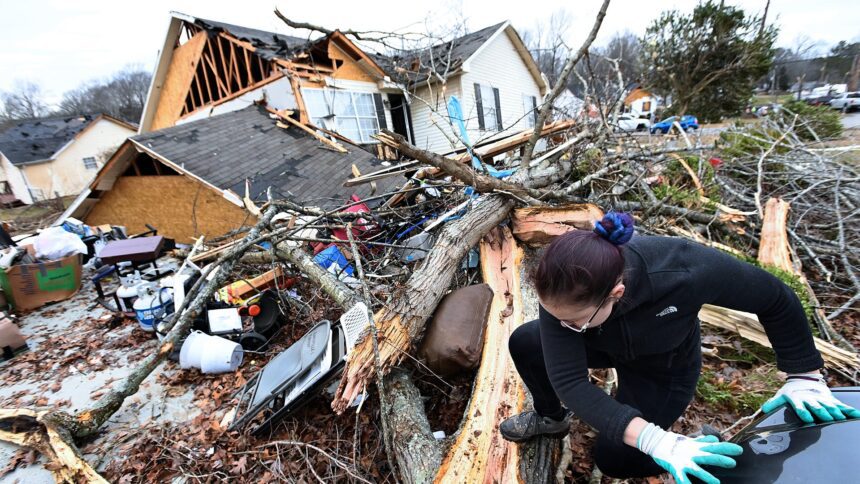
682	456
810	398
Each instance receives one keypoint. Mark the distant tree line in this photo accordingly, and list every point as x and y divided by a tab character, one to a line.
122	95
707	62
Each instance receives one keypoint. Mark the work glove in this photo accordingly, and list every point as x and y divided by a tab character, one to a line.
681	456
810	398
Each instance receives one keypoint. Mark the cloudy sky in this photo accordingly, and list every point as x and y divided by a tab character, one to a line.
61	43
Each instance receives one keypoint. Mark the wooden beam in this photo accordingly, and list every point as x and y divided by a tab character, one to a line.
224	64
206	75
197	84
238	93
479	453
248	67
323	139
222	89
134	165
300	100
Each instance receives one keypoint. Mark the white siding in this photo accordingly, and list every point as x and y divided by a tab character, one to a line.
430	115
499	65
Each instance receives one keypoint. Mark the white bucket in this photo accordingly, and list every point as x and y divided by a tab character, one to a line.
221	355
192	350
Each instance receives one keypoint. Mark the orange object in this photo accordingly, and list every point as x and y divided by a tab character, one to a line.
254	310
240	291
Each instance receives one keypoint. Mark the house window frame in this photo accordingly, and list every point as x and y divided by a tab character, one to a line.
488	102
329	95
530	111
90	160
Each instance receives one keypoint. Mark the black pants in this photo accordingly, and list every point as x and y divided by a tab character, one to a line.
659	386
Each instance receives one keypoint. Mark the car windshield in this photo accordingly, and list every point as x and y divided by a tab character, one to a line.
669	120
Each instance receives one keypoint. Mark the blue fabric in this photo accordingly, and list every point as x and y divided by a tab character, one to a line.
330	256
455	113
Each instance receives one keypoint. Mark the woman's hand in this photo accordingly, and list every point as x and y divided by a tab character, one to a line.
808	395
683	457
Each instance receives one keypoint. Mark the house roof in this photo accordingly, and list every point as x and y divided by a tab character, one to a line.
269	45
35	140
227	149
445	58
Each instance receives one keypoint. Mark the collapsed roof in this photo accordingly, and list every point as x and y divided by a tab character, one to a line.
227	149
269	45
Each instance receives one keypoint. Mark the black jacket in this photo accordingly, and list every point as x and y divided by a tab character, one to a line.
667	281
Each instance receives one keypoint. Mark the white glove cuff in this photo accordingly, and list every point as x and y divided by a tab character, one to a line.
649	438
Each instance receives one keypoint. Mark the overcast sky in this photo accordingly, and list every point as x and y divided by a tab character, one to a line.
61	43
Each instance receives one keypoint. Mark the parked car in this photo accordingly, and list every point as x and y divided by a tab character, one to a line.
819	100
846	102
628	122
780	448
688	123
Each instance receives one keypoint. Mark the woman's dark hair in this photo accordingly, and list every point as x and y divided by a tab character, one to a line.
583	266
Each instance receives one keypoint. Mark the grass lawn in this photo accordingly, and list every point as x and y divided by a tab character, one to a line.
761	99
34	211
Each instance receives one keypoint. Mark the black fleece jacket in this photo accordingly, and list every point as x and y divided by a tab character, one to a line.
667	281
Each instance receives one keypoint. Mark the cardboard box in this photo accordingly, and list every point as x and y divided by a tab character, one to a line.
30	286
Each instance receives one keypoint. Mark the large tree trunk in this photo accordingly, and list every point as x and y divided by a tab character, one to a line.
479	453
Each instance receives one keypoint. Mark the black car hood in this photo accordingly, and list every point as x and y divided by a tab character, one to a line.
779	448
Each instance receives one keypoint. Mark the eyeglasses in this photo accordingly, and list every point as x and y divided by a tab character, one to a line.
579	329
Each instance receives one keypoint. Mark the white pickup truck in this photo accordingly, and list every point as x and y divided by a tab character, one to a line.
627	122
846	101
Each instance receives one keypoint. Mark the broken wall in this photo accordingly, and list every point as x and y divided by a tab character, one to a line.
177	206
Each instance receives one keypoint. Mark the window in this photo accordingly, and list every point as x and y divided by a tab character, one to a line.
488	107
646	106
530	110
353	114
90	163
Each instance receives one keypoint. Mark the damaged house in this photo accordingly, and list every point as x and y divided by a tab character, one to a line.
55	156
232	110
491	72
193	178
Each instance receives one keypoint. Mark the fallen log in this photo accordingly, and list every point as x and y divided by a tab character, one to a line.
30	429
539	225
479	453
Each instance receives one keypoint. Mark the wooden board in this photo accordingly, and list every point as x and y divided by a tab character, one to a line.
177	83
539	225
479	453
177	206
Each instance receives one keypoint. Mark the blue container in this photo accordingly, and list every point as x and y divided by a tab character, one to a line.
330	256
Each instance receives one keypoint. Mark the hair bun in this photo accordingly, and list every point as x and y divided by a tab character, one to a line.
616	227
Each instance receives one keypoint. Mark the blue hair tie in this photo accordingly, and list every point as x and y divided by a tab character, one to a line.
615	227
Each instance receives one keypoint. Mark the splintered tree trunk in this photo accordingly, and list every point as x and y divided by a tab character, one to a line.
774	249
539	225
402	322
479	453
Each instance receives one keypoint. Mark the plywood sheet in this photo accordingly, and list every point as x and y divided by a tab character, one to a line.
177	83
177	206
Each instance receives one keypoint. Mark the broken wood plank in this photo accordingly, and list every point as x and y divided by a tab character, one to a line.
479	453
539	225
748	327
177	84
293	122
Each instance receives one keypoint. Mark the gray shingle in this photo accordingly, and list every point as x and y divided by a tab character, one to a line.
226	149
